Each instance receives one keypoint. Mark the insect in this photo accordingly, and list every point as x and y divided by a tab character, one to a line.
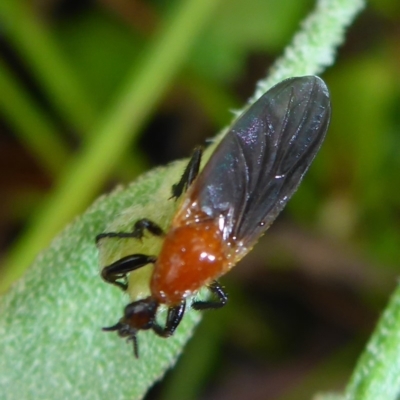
226	207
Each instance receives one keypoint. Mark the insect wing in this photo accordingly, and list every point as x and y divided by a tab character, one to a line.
262	159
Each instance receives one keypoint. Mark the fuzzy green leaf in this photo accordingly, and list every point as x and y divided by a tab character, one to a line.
52	346
377	374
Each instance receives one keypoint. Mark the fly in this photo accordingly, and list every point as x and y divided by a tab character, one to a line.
226	207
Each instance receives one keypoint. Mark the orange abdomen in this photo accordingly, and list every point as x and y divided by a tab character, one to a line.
192	256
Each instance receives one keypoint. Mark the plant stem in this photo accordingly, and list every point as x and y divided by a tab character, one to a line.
36	45
35	130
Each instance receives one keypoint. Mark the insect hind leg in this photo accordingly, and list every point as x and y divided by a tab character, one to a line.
220	295
117	271
189	175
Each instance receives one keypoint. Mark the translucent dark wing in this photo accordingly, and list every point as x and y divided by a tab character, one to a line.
260	162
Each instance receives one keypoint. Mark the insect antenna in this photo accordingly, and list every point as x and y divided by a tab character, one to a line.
135	344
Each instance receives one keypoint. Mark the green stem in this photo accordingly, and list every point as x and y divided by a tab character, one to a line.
36	45
34	130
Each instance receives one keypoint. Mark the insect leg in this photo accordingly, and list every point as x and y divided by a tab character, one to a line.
137	233
189	175
174	317
145	224
118	270
222	298
125	331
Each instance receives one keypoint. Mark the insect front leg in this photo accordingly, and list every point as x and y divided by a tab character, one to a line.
146	224
189	175
221	298
137	233
174	317
118	270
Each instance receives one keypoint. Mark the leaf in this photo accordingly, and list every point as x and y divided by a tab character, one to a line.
51	344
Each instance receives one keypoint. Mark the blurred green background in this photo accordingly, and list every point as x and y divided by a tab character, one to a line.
304	302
